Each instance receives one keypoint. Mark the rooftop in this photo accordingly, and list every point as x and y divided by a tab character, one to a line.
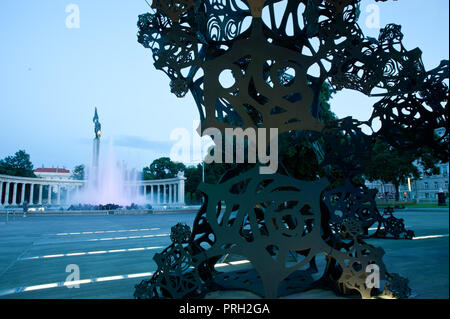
51	170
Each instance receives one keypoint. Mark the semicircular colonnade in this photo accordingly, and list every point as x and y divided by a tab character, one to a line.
15	190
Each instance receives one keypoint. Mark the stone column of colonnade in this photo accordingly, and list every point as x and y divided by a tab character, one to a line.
151	193
22	193
157	194
31	194
40	194
169	193
68	189
14	198
17	193
169	196
58	196
7	187
181	191
49	195
1	193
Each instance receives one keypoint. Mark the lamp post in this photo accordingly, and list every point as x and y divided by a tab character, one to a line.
409	186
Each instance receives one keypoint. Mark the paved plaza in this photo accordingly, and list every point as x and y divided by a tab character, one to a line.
113	253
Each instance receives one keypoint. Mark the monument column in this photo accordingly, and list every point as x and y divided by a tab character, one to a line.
14	199
40	195
96	149
145	192
31	194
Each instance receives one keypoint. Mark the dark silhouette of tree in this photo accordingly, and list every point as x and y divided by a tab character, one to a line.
393	165
17	165
162	168
78	172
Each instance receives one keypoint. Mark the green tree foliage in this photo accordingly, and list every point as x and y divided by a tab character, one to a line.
392	165
78	172
162	168
193	176
297	151
17	165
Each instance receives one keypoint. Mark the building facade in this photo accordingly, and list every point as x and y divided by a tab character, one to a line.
52	173
423	189
426	188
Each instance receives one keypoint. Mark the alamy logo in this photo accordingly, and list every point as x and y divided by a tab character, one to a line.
261	145
73	19
373	18
373	277
74	275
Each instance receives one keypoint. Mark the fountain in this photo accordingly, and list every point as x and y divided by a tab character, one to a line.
108	181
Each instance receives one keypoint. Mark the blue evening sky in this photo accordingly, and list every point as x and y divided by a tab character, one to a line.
51	77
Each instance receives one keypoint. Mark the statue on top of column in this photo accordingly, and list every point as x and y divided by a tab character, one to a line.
98	126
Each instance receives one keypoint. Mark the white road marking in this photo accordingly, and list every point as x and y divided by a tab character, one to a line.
430	236
237	262
97	252
99	279
47	242
71	283
105	231
375	228
39	287
129	237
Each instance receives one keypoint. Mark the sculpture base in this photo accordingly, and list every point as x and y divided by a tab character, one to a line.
249	280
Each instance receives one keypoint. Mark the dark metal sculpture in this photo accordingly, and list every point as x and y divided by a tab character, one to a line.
177	276
392	227
248	72
349	202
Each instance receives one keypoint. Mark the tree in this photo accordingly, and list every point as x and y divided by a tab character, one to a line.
297	152
78	172
393	165
162	168
193	176
17	165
